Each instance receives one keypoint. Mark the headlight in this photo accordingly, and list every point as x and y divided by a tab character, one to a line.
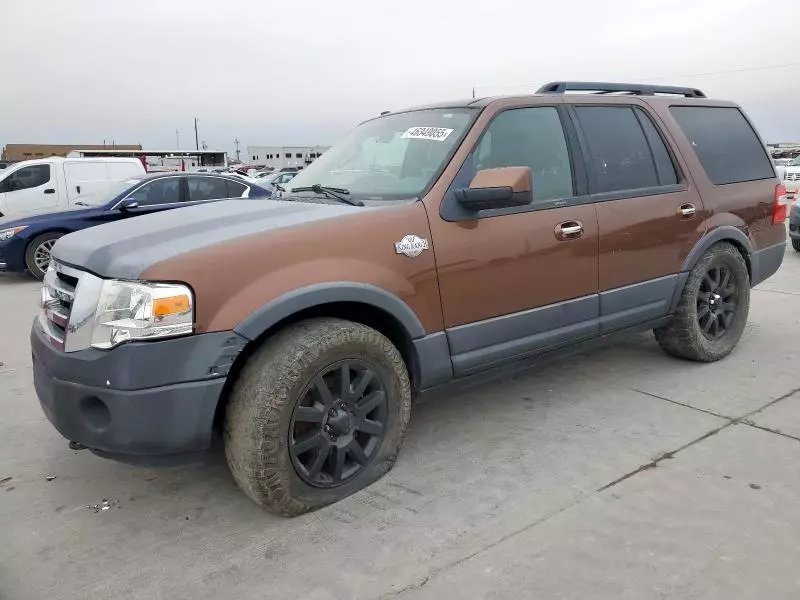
139	311
7	234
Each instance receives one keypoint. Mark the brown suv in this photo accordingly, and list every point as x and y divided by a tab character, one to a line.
434	245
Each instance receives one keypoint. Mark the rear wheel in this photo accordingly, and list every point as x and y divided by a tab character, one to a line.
713	308
37	256
796	244
318	412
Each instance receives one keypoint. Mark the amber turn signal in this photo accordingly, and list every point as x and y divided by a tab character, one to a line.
172	305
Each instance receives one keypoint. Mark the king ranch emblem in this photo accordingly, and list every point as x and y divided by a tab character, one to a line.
411	245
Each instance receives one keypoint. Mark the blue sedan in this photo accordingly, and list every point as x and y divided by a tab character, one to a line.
25	243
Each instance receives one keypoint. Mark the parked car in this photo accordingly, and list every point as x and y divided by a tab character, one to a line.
280	178
790	173
25	243
439	245
60	183
794	226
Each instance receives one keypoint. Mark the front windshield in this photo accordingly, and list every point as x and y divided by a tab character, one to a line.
389	158
114	189
795	162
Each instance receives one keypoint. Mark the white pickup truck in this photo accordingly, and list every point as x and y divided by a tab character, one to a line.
790	174
52	184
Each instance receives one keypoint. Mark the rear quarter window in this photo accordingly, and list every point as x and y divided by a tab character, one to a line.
728	148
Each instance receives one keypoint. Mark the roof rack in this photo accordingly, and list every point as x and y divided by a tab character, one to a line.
562	87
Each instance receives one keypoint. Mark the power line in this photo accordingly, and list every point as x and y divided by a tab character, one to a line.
725	72
707	73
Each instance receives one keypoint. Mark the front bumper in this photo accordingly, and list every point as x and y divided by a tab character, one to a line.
12	255
143	398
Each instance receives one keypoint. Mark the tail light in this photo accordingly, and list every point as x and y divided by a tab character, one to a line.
780	208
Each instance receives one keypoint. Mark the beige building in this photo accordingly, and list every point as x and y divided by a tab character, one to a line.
16	152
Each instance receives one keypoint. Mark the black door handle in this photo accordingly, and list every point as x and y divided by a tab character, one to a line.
78	188
49	191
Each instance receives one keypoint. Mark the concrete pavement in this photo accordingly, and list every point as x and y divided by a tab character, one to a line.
620	473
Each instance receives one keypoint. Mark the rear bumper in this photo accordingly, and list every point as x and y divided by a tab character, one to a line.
153	398
765	263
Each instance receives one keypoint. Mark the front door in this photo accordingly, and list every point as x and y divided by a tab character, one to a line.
514	282
649	214
30	189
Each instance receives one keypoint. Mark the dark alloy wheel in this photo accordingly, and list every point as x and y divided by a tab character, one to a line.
717	300
317	413
338	424
712	311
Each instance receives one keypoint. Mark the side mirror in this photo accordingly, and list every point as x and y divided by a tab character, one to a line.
129	204
504	187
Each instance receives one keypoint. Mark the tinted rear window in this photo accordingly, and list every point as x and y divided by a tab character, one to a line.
620	157
725	143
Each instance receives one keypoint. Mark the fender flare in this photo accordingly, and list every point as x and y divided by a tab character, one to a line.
718	234
325	293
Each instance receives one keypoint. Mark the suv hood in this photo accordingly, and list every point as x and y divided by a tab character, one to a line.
124	249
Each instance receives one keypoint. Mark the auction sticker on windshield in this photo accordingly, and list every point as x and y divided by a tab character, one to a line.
437	134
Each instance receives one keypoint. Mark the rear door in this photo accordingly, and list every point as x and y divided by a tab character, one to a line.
30	189
202	188
514	282
119	170
649	212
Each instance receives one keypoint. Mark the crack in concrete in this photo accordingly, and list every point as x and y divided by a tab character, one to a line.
779	292
770	430
731	421
421	582
702	410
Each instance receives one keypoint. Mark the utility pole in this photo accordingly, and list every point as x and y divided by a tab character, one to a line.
196	143
236	141
177	139
473	91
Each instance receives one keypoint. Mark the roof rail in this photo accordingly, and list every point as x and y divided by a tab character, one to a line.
561	87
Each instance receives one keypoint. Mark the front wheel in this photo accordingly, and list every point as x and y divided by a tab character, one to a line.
713	308
317	413
37	256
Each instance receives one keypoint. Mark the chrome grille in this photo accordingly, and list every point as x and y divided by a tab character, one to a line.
69	301
58	296
789	176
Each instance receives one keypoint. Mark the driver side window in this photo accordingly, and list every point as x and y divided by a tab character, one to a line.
534	138
26	178
160	191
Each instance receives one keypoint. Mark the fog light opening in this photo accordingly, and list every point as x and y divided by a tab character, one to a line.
95	413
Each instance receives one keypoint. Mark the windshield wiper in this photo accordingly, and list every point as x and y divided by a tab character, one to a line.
79	203
331	192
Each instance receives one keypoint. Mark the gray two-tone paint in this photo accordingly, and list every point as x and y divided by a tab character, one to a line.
491	342
127	248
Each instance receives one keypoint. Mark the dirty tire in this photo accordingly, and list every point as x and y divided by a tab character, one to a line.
31	252
274	380
796	244
683	336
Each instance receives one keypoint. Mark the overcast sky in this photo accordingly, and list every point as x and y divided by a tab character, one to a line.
304	72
